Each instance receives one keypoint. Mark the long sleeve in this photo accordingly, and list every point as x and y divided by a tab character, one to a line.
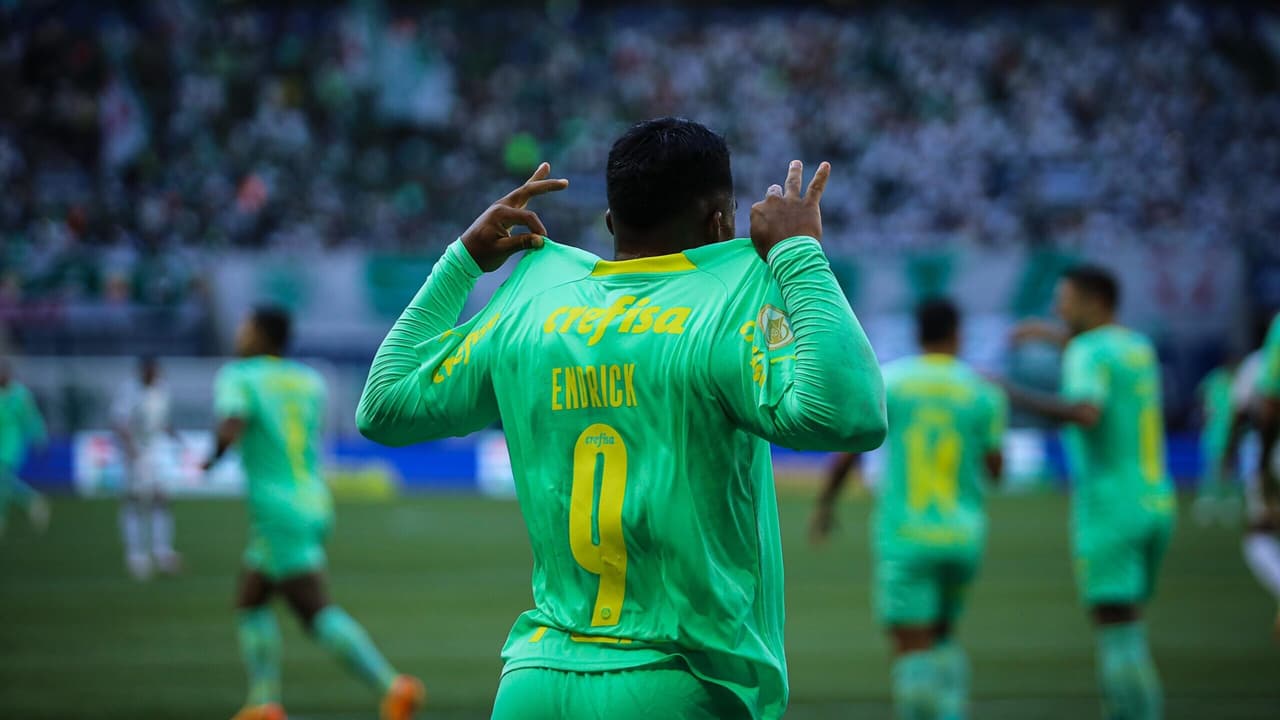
429	379
811	380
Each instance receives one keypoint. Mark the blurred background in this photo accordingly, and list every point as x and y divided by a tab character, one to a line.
167	165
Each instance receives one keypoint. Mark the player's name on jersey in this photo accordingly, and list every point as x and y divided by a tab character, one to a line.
633	315
593	386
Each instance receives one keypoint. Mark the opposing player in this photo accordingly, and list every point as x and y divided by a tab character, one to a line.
1123	503
946	428
273	408
140	416
639	396
21	426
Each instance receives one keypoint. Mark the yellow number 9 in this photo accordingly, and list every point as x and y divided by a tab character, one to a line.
595	517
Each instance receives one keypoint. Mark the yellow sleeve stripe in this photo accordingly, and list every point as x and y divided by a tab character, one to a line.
599	639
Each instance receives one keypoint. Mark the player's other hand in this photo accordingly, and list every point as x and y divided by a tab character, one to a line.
489	239
785	213
821	524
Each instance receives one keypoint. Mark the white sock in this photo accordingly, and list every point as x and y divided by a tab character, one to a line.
1262	554
132	530
161	532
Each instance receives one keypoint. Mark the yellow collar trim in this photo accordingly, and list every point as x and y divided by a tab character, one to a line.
940	358
676	262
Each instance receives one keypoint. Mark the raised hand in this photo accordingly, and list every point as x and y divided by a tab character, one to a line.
785	213
489	239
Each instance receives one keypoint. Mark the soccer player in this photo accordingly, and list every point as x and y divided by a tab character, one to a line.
21	426
140	416
273	408
1213	499
639	396
1123	503
946	428
1258	400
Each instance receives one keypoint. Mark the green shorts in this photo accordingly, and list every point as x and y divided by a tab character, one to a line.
668	691
285	546
923	588
1119	565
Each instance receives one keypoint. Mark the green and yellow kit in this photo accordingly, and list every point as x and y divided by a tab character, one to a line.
639	398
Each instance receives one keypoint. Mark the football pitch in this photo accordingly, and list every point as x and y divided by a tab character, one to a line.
437	581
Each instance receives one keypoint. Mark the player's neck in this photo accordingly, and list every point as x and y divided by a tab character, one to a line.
1099	322
632	244
947	349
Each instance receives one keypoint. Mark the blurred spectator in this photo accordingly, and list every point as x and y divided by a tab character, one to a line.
134	142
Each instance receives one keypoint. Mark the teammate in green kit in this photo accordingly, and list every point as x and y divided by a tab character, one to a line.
1269	391
1214	498
1123	503
273	408
639	396
1261	545
21	426
946	427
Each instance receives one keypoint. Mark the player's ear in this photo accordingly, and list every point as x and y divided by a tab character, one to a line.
608	221
717	227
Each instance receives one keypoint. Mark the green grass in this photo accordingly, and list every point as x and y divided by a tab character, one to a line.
437	581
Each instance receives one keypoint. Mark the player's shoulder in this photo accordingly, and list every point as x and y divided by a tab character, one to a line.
965	374
232	369
937	370
552	264
988	390
1096	344
734	263
1131	347
304	373
897	370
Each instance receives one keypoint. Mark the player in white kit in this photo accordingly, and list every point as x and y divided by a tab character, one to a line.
141	421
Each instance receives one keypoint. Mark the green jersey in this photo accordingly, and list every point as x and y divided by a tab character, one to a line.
943	420
282	404
20	424
1118	465
1269	380
639	398
1219	414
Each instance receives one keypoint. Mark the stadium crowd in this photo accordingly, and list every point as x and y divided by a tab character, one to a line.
133	144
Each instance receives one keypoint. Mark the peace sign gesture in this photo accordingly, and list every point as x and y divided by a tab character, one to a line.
489	239
786	213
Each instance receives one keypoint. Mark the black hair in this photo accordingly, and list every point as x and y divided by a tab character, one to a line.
1096	282
275	325
660	168
937	320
